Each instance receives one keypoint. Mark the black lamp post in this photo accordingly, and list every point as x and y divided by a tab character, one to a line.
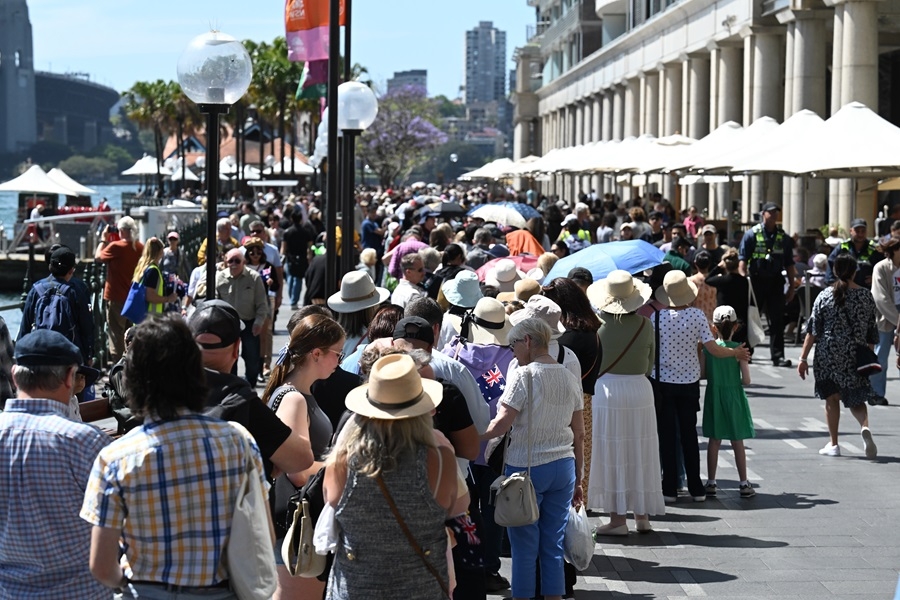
214	71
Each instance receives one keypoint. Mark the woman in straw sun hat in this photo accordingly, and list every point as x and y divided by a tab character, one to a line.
388	449
677	388
625	463
355	305
504	275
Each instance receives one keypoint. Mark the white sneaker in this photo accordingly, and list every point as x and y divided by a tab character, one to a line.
830	450
868	443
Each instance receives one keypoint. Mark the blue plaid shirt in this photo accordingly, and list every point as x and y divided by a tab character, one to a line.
46	460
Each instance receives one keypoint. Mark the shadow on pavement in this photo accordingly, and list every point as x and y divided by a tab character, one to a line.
762	501
687	538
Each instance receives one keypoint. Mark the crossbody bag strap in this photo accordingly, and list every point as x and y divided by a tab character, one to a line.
530	414
624	352
409	536
656	316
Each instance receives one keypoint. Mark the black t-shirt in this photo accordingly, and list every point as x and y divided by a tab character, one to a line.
297	239
586	346
232	399
452	414
732	289
332	392
315	280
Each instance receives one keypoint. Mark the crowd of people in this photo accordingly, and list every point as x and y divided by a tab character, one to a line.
393	391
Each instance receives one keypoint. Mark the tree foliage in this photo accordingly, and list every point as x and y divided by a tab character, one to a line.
401	136
89	169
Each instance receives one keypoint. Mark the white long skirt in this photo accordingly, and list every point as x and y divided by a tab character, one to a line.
625	471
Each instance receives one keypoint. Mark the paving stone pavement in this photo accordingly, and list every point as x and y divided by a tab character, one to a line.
818	527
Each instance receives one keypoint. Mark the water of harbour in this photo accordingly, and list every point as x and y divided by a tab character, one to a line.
14	316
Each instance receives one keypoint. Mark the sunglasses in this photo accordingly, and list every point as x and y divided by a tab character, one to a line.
235	261
340	354
257	251
256	231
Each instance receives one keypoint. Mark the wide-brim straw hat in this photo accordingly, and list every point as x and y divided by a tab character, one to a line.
524	289
358	292
504	275
463	290
488	323
677	289
619	293
543	308
395	391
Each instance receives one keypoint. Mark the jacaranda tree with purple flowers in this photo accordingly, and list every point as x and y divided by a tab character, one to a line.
401	136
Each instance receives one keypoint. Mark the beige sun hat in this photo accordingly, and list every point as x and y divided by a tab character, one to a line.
358	292
487	324
524	289
676	290
504	275
619	293
395	391
543	308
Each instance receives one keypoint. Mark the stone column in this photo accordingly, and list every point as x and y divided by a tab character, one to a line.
671	104
698	118
727	91
618	118
650	103
606	114
835	186
632	108
597	118
578	134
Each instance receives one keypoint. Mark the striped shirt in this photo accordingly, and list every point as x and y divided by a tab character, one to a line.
171	487
46	459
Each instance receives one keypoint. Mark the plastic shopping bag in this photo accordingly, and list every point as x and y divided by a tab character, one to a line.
579	541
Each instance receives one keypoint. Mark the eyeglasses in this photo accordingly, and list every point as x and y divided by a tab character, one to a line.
235	261
257	251
256	231
513	343
339	353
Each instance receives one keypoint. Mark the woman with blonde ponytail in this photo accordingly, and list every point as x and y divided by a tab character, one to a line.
313	353
148	274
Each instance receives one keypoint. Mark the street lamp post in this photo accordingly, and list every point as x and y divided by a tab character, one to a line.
357	109
214	71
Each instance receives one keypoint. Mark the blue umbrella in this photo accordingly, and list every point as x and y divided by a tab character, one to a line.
526	211
633	256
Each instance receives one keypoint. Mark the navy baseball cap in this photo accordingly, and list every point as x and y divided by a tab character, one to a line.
46	348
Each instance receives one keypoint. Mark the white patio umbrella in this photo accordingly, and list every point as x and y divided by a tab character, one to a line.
628	153
665	150
523	166
60	177
772	152
35	181
284	168
147	165
760	131
492	170
718	141
188	175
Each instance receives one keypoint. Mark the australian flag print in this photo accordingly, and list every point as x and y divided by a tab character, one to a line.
491	384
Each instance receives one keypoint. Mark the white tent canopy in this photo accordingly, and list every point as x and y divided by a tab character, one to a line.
60	177
147	165
772	152
35	181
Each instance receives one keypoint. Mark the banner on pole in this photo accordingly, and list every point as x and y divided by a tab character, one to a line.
306	28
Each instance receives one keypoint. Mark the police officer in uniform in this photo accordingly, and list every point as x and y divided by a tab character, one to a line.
765	251
862	249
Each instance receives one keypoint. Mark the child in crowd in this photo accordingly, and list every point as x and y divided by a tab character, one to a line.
726	412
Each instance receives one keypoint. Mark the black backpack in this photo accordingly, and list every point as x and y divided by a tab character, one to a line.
54	309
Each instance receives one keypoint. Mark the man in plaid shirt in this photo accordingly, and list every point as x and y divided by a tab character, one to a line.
46	459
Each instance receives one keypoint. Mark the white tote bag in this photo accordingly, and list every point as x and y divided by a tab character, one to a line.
756	335
250	556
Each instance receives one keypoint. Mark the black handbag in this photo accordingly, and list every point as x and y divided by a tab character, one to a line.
866	360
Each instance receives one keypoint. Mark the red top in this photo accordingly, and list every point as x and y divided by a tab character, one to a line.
121	259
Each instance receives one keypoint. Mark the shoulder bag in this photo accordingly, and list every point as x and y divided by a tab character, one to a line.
298	549
409	536
250	556
865	358
756	335
515	502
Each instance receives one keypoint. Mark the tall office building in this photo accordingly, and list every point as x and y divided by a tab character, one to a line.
18	125
413	78
485	79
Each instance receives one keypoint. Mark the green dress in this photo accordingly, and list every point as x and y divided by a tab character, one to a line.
726	412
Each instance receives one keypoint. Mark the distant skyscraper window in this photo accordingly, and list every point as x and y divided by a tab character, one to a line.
485	77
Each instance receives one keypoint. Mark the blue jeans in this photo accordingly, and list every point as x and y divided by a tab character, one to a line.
295	284
554	484
883	350
155	592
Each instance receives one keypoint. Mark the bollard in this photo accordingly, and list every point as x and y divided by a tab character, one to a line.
82	247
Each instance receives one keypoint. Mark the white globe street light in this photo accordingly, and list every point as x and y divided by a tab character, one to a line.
357	110
214	71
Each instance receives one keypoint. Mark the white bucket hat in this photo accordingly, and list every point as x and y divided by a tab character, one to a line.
543	308
677	290
395	391
504	275
619	293
358	292
487	324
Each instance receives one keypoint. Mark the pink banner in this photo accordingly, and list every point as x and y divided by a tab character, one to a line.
311	44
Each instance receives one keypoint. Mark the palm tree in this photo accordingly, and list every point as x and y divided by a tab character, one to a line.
148	104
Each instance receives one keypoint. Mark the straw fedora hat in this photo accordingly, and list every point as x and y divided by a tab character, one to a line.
504	275
358	292
395	391
619	293
543	308
487	324
524	289
463	290
677	290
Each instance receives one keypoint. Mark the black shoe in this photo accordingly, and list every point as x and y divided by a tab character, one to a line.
495	582
780	362
878	401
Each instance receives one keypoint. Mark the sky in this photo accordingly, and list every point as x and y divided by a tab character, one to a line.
118	42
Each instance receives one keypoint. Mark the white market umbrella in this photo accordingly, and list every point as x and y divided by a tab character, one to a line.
35	181
147	165
492	170
60	177
497	213
188	175
664	151
758	132
523	166
284	168
773	152
628	153
718	141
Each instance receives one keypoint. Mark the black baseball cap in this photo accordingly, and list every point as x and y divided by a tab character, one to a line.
858	223
46	348
770	207
414	328
581	274
217	318
63	257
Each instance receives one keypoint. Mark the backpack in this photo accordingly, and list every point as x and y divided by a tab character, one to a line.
54	309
